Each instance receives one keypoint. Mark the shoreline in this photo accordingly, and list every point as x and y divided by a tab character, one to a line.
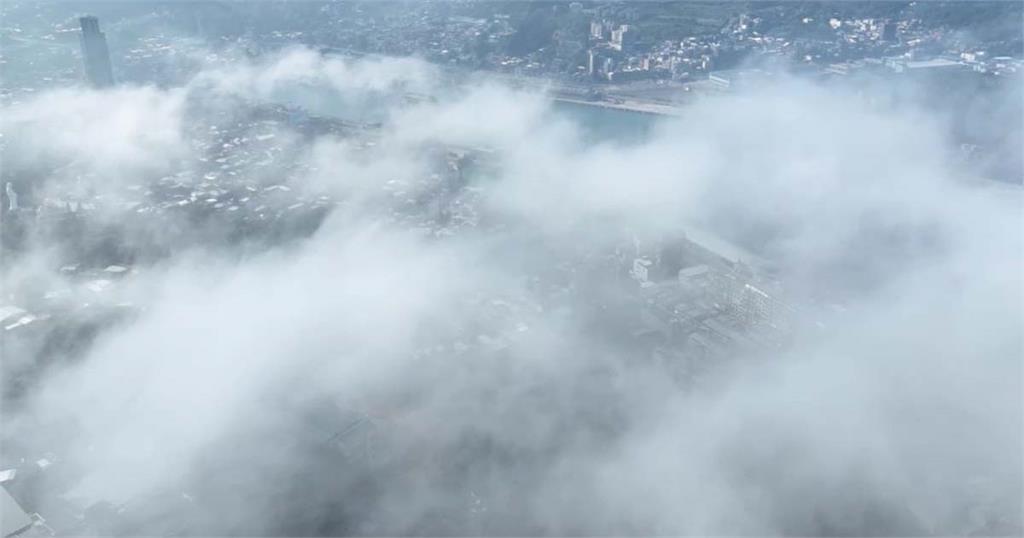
652	109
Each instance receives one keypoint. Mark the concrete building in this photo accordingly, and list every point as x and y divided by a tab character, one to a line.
696	277
12	197
926	67
622	38
95	53
641	270
740	79
607	66
887	32
720	80
933	65
13	518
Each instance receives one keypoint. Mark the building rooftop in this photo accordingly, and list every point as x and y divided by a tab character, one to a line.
933	63
13	519
693	271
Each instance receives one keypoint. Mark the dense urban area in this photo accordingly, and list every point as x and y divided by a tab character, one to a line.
692	304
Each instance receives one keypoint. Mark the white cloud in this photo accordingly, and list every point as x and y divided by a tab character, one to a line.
876	422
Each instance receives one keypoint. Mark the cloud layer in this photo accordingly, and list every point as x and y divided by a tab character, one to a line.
498	407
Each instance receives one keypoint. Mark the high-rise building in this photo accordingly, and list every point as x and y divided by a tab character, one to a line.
622	38
888	32
95	53
12	197
607	66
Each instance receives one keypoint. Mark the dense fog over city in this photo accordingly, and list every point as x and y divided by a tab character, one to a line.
257	287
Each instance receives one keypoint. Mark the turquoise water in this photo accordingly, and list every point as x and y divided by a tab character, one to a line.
601	124
598	124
